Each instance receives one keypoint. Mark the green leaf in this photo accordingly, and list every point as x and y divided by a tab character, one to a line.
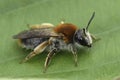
101	62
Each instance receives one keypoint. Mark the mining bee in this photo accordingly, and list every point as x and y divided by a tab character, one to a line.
52	38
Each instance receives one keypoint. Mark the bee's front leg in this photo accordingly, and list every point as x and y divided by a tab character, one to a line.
95	38
74	52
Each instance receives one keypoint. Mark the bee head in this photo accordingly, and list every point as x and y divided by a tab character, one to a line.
82	36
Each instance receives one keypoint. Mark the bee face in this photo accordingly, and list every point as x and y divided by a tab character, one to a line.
83	37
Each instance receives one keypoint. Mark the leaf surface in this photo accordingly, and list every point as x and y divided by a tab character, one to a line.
101	62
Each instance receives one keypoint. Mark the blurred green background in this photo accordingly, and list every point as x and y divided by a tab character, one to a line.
101	62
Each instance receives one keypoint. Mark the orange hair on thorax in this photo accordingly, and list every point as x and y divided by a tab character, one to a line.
67	30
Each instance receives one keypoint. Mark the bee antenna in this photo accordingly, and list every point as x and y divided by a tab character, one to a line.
90	20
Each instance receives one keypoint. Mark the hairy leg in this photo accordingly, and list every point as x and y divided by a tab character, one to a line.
95	38
54	48
74	52
48	59
39	49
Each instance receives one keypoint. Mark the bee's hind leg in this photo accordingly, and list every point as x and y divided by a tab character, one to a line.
39	49
35	26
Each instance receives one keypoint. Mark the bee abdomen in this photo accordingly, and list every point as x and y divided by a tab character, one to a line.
31	43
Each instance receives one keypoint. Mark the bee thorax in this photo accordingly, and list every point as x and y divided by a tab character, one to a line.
58	44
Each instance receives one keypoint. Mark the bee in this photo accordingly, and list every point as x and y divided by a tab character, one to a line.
52	38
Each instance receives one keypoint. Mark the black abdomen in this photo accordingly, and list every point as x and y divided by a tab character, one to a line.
31	43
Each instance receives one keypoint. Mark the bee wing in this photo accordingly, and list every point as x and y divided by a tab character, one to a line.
36	33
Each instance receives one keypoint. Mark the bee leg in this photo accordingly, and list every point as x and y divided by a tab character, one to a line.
54	48
74	52
48	59
75	58
94	38
39	49
36	26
